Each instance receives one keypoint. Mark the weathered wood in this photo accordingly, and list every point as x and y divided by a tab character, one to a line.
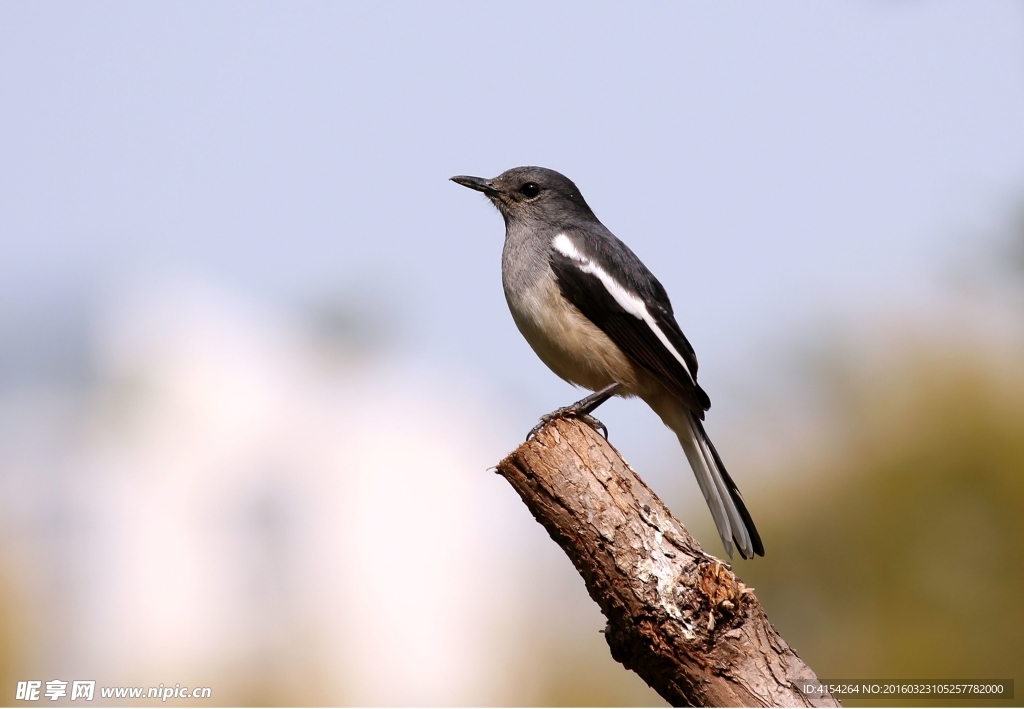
677	617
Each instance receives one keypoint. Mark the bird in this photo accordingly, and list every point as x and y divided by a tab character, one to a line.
599	319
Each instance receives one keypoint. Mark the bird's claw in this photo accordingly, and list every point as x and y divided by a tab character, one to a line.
568	412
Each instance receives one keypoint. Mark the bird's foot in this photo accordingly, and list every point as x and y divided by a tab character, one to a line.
568	412
580	410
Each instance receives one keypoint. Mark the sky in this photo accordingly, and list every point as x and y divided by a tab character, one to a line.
779	168
771	164
785	170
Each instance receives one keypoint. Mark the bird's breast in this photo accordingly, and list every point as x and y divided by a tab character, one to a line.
565	340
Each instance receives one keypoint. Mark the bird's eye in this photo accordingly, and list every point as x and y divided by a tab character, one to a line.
530	190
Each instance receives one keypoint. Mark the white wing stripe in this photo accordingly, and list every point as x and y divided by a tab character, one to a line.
629	302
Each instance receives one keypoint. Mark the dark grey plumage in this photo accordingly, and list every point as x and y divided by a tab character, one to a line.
597	316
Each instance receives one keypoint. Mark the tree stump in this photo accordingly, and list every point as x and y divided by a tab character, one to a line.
677	616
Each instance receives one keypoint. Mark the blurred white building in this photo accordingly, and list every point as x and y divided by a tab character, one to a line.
273	511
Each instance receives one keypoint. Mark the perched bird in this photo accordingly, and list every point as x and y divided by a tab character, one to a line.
599	319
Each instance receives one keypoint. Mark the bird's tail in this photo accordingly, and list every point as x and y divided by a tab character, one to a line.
723	497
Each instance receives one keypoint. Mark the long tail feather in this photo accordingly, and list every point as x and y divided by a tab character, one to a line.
720	492
747	540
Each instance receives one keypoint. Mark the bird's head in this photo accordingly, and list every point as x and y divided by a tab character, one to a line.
531	193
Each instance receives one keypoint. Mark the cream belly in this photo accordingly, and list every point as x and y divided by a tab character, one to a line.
569	344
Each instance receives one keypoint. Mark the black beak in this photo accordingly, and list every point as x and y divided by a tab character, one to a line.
476	183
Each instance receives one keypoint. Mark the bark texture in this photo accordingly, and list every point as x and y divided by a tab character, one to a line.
677	617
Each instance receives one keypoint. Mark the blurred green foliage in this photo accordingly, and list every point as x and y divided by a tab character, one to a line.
900	553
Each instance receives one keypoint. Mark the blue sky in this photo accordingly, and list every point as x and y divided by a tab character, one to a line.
778	166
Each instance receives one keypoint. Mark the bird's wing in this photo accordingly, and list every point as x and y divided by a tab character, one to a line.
616	292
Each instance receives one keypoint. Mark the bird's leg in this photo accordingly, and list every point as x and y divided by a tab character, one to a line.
580	410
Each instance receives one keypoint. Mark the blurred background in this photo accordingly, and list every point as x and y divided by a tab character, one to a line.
255	360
